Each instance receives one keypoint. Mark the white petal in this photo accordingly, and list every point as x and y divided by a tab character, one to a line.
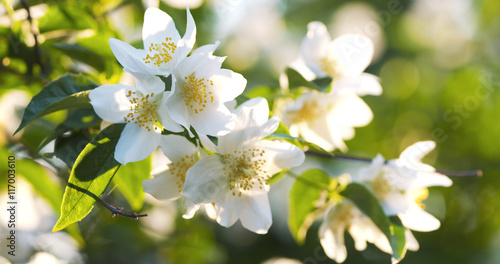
228	84
256	212
364	84
254	112
208	49
349	111
428	179
225	216
419	220
177	109
333	243
165	119
202	65
163	186
135	144
176	147
315	46
414	153
215	122
353	52
280	155
110	102
130	58
191	209
411	241
205	181
150	83
395	203
185	45
158	26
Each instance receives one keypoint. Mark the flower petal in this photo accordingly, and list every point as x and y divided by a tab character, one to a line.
353	52
110	102
225	216
280	155
185	45
419	220
176	147
150	83
228	84
315	46
163	186
191	209
158	26
413	155
428	179
135	144
213	122
130	58
364	84
256	212
205	181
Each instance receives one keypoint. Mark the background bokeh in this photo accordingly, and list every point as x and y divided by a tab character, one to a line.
438	62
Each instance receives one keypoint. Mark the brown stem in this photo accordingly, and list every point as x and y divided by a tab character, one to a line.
118	210
37	54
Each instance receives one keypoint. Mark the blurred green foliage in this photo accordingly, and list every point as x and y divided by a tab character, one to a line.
455	104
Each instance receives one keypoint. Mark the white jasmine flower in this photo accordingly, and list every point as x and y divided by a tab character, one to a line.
344	59
327	119
401	185
144	111
163	46
200	89
346	216
235	178
169	179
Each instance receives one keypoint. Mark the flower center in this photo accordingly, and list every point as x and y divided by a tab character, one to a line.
330	66
196	93
162	52
179	169
381	186
245	170
143	111
420	195
310	111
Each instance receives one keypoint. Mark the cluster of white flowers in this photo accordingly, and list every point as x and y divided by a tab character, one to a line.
233	180
400	185
327	119
230	178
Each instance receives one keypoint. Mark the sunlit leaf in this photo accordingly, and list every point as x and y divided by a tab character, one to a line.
91	174
304	196
67	92
370	206
65	17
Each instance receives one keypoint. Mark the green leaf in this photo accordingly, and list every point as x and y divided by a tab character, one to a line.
91	174
61	16
129	180
68	147
82	54
370	206
296	80
67	92
304	195
76	119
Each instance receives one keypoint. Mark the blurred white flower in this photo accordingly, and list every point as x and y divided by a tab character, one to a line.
12	105
235	178
346	216
344	59
401	185
143	110
164	47
200	89
327	119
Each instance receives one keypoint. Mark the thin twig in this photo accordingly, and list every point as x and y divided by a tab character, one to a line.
118	210
473	173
